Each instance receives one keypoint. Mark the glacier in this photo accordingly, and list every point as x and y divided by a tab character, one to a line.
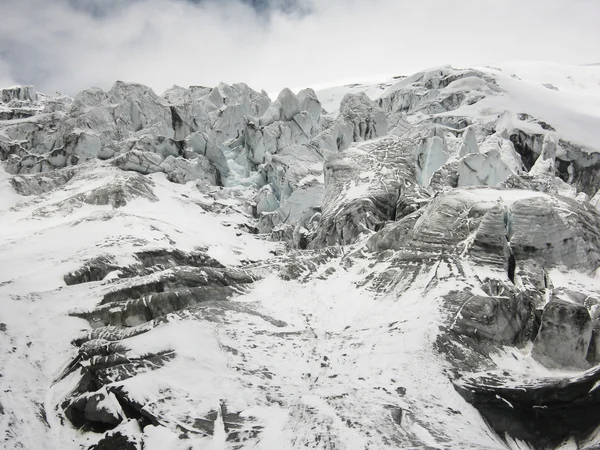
409	263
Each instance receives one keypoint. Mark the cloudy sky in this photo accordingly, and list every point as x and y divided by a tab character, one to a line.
69	45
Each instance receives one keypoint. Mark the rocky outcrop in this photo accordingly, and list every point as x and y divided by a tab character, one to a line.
544	413
132	307
364	187
564	337
501	320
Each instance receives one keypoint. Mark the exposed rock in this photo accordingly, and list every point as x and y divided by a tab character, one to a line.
103	408
564	336
182	170
545	413
117	441
502	320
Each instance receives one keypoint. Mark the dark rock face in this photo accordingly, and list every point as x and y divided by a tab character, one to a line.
564	336
117	441
178	284
149	261
172	290
95	411
528	146
544	414
502	320
99	411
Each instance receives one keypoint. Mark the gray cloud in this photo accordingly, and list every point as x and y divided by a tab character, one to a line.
5	78
73	44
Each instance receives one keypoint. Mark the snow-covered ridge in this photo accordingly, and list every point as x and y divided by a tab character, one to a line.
565	97
404	264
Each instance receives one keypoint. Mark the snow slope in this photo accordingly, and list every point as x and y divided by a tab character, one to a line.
47	236
335	362
564	96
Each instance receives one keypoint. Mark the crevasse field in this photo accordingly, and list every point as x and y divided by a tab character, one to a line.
409	263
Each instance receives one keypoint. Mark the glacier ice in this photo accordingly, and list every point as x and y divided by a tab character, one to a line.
409	264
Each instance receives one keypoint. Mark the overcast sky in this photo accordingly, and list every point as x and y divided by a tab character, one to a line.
69	45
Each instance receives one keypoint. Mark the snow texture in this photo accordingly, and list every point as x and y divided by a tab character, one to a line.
411	263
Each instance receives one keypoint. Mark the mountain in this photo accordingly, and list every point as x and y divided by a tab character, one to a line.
404	264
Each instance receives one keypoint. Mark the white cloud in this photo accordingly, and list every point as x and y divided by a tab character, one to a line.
164	42
5	78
